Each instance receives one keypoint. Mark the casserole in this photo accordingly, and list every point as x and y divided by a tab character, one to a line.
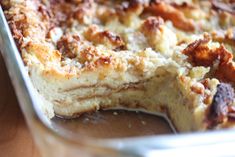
80	60
67	144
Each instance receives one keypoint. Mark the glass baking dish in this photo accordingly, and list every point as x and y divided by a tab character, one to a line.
54	140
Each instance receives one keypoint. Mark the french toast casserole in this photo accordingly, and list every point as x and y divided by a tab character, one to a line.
163	56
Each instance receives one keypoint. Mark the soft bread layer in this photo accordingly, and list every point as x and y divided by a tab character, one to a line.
185	108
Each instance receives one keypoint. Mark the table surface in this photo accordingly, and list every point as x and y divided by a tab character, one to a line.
15	138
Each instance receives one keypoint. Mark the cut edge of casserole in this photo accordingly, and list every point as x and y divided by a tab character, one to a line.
170	57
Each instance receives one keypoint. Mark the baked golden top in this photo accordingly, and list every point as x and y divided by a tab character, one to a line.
81	35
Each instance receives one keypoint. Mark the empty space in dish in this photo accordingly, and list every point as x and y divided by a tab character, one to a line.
115	123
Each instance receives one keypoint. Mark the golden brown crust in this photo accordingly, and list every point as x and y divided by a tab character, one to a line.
43	53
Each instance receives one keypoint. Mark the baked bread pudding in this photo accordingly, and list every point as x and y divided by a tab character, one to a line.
163	56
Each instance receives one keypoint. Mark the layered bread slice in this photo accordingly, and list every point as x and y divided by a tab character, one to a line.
170	57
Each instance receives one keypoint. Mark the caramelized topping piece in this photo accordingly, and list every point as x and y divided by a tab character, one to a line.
69	45
222	103
200	54
105	37
169	12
